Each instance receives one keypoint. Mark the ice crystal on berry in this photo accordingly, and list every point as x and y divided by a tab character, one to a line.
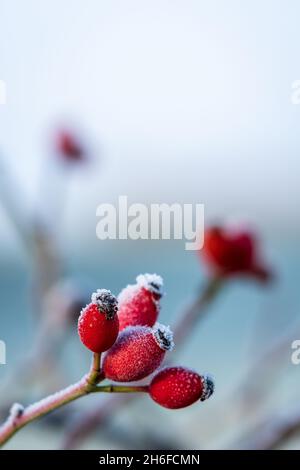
151	282
163	336
106	302
208	387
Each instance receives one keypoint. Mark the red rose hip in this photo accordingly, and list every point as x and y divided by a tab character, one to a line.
139	303
98	324
233	252
178	387
137	353
69	147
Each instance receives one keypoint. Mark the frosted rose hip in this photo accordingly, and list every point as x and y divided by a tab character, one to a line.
137	353
178	387
98	324
139	303
231	252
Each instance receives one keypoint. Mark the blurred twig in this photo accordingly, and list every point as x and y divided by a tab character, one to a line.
273	431
60	311
251	392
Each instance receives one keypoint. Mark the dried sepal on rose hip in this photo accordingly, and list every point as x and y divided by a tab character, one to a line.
98	324
139	303
138	351
179	387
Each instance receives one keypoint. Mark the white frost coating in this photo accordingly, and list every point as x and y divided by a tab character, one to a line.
16	411
152	282
81	313
56	398
106	302
208	386
137	330
97	294
163	336
127	293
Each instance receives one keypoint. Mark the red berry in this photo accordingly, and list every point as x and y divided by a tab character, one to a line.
139	303
69	147
137	353
229	252
178	387
98	324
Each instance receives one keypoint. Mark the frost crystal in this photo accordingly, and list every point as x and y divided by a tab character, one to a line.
152	282
16	411
163	336
208	387
106	302
127	293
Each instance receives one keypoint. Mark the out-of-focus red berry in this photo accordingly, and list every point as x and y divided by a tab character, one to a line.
228	252
69	147
178	387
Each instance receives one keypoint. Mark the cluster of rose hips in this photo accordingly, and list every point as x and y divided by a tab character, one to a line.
136	345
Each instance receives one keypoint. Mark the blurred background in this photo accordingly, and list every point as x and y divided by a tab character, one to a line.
167	101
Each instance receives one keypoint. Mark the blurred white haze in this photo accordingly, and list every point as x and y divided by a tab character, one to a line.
187	101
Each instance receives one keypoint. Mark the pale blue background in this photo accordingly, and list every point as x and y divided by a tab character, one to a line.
183	101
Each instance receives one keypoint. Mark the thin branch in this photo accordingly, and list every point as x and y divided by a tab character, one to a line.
191	316
262	366
95	375
20	416
273	431
121	389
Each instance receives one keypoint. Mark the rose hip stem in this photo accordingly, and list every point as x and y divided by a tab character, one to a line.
197	309
20	416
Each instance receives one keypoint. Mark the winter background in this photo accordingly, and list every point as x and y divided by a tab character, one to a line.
180	102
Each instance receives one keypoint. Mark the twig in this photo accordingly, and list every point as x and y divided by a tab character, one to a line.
273	431
188	319
122	389
262	366
20	416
